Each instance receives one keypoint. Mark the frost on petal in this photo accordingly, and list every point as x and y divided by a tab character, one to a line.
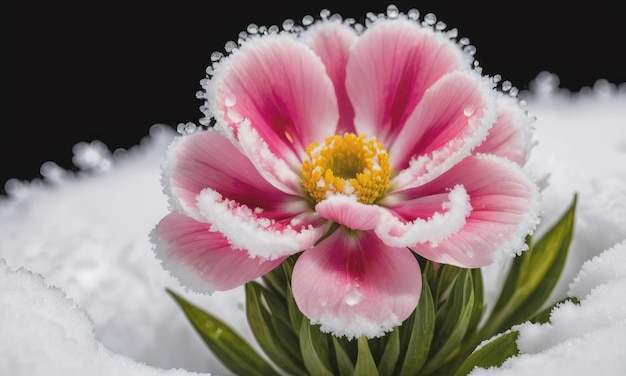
201	259
453	118
347	211
431	218
250	230
511	134
331	41
281	88
505	208
209	160
390	68
353	284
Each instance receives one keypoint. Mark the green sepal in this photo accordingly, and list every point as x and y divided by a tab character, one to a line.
315	349
344	363
365	365
532	276
232	350
452	321
390	356
491	354
269	324
420	332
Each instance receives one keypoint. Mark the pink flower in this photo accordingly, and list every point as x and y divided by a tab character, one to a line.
356	148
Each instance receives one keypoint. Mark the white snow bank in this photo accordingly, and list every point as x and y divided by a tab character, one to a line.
45	333
87	234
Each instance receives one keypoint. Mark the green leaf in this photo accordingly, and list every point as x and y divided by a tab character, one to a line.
492	354
344	364
446	275
454	318
421	333
314	347
391	354
535	273
232	350
365	365
275	338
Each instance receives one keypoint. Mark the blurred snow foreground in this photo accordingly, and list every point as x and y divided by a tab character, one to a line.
81	292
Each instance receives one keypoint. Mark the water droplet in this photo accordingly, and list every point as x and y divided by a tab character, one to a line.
464	41
353	297
336	17
359	28
273	29
243	35
470	50
288	24
371	16
349	21
230	46
190	127
497	78
453	33
230	100
392	11
307	20
262	29
413	14
200	94
514	91
216	55
430	19
469	110
440	25
324	13
180	128
506	85
205	121
252	29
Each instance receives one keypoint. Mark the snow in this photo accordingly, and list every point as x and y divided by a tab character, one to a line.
82	292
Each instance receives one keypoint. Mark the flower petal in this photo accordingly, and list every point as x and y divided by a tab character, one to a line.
347	211
209	160
511	135
353	284
331	41
453	117
262	236
390	67
413	218
281	88
201	259
505	208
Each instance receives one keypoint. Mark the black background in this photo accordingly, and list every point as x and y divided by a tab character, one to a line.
84	71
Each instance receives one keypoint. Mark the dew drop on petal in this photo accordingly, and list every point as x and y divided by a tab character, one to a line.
336	17
209	71
430	19
262	29
180	128
190	127
324	13
453	33
413	14
200	94
440	25
307	20
252	28
349	21
230	46
514	91
392	11
469	110
464	41
216	55
243	35
506	85
230	100
273	29
470	50
497	78
353	297
288	24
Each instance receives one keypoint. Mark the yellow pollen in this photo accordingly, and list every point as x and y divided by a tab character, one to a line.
347	165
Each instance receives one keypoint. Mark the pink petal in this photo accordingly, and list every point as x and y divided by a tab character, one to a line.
511	135
505	208
390	67
453	117
201	259
331	41
208	160
250	229
412	219
353	284
280	87
347	211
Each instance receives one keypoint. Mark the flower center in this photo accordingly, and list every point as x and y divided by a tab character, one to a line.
347	165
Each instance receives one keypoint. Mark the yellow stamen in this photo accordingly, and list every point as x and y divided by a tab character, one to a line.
347	165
